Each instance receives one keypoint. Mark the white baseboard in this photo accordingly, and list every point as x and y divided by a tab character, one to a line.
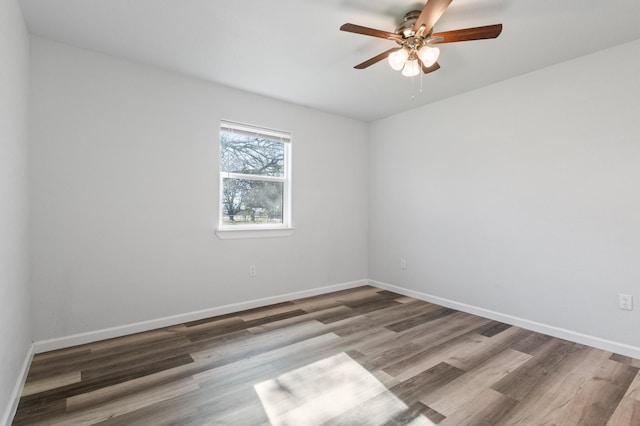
562	333
123	330
12	406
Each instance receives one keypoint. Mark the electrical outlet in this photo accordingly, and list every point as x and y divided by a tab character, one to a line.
403	263
252	270
625	302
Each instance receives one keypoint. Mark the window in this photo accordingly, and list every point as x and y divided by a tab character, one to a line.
255	183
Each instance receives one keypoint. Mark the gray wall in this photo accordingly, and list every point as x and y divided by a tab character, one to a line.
520	198
15	319
124	187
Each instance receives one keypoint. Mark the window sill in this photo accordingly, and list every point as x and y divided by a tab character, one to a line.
236	234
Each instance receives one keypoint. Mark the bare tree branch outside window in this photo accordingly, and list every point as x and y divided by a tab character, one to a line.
253	172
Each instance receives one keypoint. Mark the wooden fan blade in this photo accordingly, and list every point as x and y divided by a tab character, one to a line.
476	33
353	28
430	14
375	59
432	68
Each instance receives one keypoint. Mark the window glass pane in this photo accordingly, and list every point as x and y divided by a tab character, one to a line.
251	202
251	154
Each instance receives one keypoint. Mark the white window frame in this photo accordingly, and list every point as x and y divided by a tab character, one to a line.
226	231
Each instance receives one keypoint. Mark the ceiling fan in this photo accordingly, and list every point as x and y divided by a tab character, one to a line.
416	39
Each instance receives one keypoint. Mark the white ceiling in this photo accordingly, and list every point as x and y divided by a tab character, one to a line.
292	49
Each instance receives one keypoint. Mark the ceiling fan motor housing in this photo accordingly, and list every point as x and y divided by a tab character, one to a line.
405	28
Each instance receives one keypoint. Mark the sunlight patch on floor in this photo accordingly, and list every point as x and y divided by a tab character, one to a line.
332	387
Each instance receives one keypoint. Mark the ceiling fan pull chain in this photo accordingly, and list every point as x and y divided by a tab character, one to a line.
413	91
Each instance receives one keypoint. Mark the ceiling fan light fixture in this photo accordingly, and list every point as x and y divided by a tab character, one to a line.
415	37
398	58
411	68
428	55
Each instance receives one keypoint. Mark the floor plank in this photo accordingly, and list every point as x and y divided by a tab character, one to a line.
628	411
361	356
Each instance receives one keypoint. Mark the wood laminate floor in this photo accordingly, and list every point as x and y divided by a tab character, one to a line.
356	357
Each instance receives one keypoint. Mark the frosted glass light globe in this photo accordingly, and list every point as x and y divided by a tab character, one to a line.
411	68
428	55
398	58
